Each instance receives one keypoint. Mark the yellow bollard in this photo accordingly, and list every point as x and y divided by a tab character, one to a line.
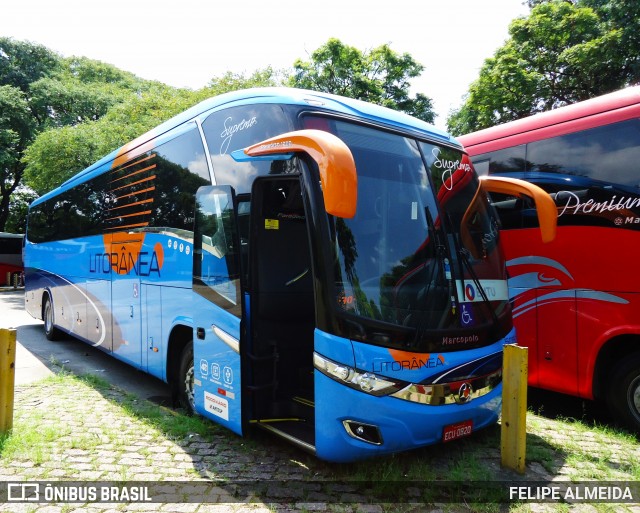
7	378
513	433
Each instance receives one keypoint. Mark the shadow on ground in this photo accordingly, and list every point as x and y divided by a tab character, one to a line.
266	469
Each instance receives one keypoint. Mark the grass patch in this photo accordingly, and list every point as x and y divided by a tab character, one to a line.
173	424
36	431
44	429
31	438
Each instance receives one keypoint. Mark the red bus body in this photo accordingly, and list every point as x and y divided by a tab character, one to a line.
576	300
10	257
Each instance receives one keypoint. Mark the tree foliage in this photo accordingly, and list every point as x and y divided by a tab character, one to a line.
41	91
561	53
20	65
61	152
379	76
59	115
80	90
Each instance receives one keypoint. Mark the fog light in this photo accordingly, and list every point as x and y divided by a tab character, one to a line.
365	432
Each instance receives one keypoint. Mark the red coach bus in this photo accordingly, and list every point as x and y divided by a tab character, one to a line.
10	258
576	300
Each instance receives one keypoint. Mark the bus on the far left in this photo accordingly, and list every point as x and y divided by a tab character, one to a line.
11	258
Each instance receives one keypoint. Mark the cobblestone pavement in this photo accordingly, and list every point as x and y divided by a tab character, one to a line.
100	433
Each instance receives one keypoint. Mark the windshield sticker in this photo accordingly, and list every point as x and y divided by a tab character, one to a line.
494	290
216	405
271	224
231	128
466	315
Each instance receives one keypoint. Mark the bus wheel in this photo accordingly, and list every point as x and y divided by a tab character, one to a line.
50	331
624	394
185	380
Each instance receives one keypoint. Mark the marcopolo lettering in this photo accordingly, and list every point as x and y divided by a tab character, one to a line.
460	340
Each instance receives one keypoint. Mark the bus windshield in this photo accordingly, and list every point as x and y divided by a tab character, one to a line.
422	250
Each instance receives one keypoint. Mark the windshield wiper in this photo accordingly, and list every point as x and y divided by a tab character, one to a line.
440	275
463	258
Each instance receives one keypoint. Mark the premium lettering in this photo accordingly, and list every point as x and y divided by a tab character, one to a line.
574	206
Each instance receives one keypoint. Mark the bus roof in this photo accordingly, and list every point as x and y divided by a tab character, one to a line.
608	108
322	101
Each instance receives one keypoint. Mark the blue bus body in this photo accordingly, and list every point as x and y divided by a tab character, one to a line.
348	337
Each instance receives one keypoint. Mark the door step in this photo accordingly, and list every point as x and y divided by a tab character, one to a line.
299	433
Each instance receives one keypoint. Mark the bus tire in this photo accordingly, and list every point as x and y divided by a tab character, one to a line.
50	331
185	381
624	393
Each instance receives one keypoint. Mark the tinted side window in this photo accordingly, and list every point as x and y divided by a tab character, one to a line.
238	127
509	160
512	211
182	169
158	188
74	213
607	153
131	187
11	245
155	189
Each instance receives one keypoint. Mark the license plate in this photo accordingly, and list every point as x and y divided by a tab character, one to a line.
455	431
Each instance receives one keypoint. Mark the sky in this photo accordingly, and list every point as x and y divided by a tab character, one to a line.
186	43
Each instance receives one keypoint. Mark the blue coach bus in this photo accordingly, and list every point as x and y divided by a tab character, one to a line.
323	268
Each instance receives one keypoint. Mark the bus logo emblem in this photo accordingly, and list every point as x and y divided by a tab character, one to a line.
464	393
470	292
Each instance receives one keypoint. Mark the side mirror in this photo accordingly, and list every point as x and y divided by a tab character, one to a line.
337	168
545	206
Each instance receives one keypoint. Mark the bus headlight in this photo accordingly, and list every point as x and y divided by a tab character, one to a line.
365	381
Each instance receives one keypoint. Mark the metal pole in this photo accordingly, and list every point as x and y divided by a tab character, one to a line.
7	378
513	433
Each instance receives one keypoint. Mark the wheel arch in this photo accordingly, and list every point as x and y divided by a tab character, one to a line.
615	350
46	294
180	336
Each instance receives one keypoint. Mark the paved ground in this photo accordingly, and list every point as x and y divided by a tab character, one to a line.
101	433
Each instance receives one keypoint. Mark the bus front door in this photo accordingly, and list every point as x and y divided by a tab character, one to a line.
217	308
279	352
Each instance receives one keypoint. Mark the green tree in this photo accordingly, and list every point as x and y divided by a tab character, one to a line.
379	76
40	90
60	152
18	207
561	53
23	63
80	90
20	65
16	132
267	77
622	16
